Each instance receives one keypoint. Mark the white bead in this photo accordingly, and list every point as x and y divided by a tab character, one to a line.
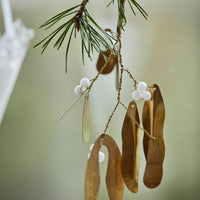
77	90
89	155
142	86
91	147
146	95
83	89
85	82
136	95
101	157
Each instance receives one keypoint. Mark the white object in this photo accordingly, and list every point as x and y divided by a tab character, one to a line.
136	95
101	157
146	95
84	84
91	147
77	90
13	47
101	154
140	93
7	15
142	86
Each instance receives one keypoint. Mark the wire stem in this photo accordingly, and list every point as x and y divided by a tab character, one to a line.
74	103
145	131
121	73
131	76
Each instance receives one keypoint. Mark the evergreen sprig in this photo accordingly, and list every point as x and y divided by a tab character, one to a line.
121	14
137	5
92	35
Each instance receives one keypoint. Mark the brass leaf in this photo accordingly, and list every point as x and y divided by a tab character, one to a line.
153	120
101	61
114	180
86	120
130	164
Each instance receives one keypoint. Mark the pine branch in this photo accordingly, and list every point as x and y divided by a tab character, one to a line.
140	9
91	34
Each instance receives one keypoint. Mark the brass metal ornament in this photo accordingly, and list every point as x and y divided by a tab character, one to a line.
114	180
124	169
130	164
110	58
153	120
86	120
102	60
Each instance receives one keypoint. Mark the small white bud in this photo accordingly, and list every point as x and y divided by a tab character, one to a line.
101	157
146	95
136	95
91	147
85	82
89	155
142	86
77	90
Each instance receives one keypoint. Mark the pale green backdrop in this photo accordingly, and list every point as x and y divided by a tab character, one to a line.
42	160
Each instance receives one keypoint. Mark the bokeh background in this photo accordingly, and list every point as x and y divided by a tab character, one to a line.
42	160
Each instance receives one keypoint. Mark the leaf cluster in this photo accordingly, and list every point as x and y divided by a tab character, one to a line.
137	5
91	34
121	14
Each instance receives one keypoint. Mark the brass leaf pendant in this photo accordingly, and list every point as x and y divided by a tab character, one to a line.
86	120
114	180
111	63
130	163
153	120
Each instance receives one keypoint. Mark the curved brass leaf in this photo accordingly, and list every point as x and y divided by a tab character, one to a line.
153	120
130	164
101	61
114	180
86	120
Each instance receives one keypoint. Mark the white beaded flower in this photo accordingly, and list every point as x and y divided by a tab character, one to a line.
84	84
101	154
141	92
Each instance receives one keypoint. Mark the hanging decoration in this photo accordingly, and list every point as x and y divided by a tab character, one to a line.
153	120
122	169
130	164
114	180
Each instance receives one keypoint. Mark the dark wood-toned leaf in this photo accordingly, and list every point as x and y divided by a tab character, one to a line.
153	120
92	179
130	163
101	61
86	120
114	180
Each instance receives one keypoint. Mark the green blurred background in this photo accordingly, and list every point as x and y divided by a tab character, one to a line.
42	160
